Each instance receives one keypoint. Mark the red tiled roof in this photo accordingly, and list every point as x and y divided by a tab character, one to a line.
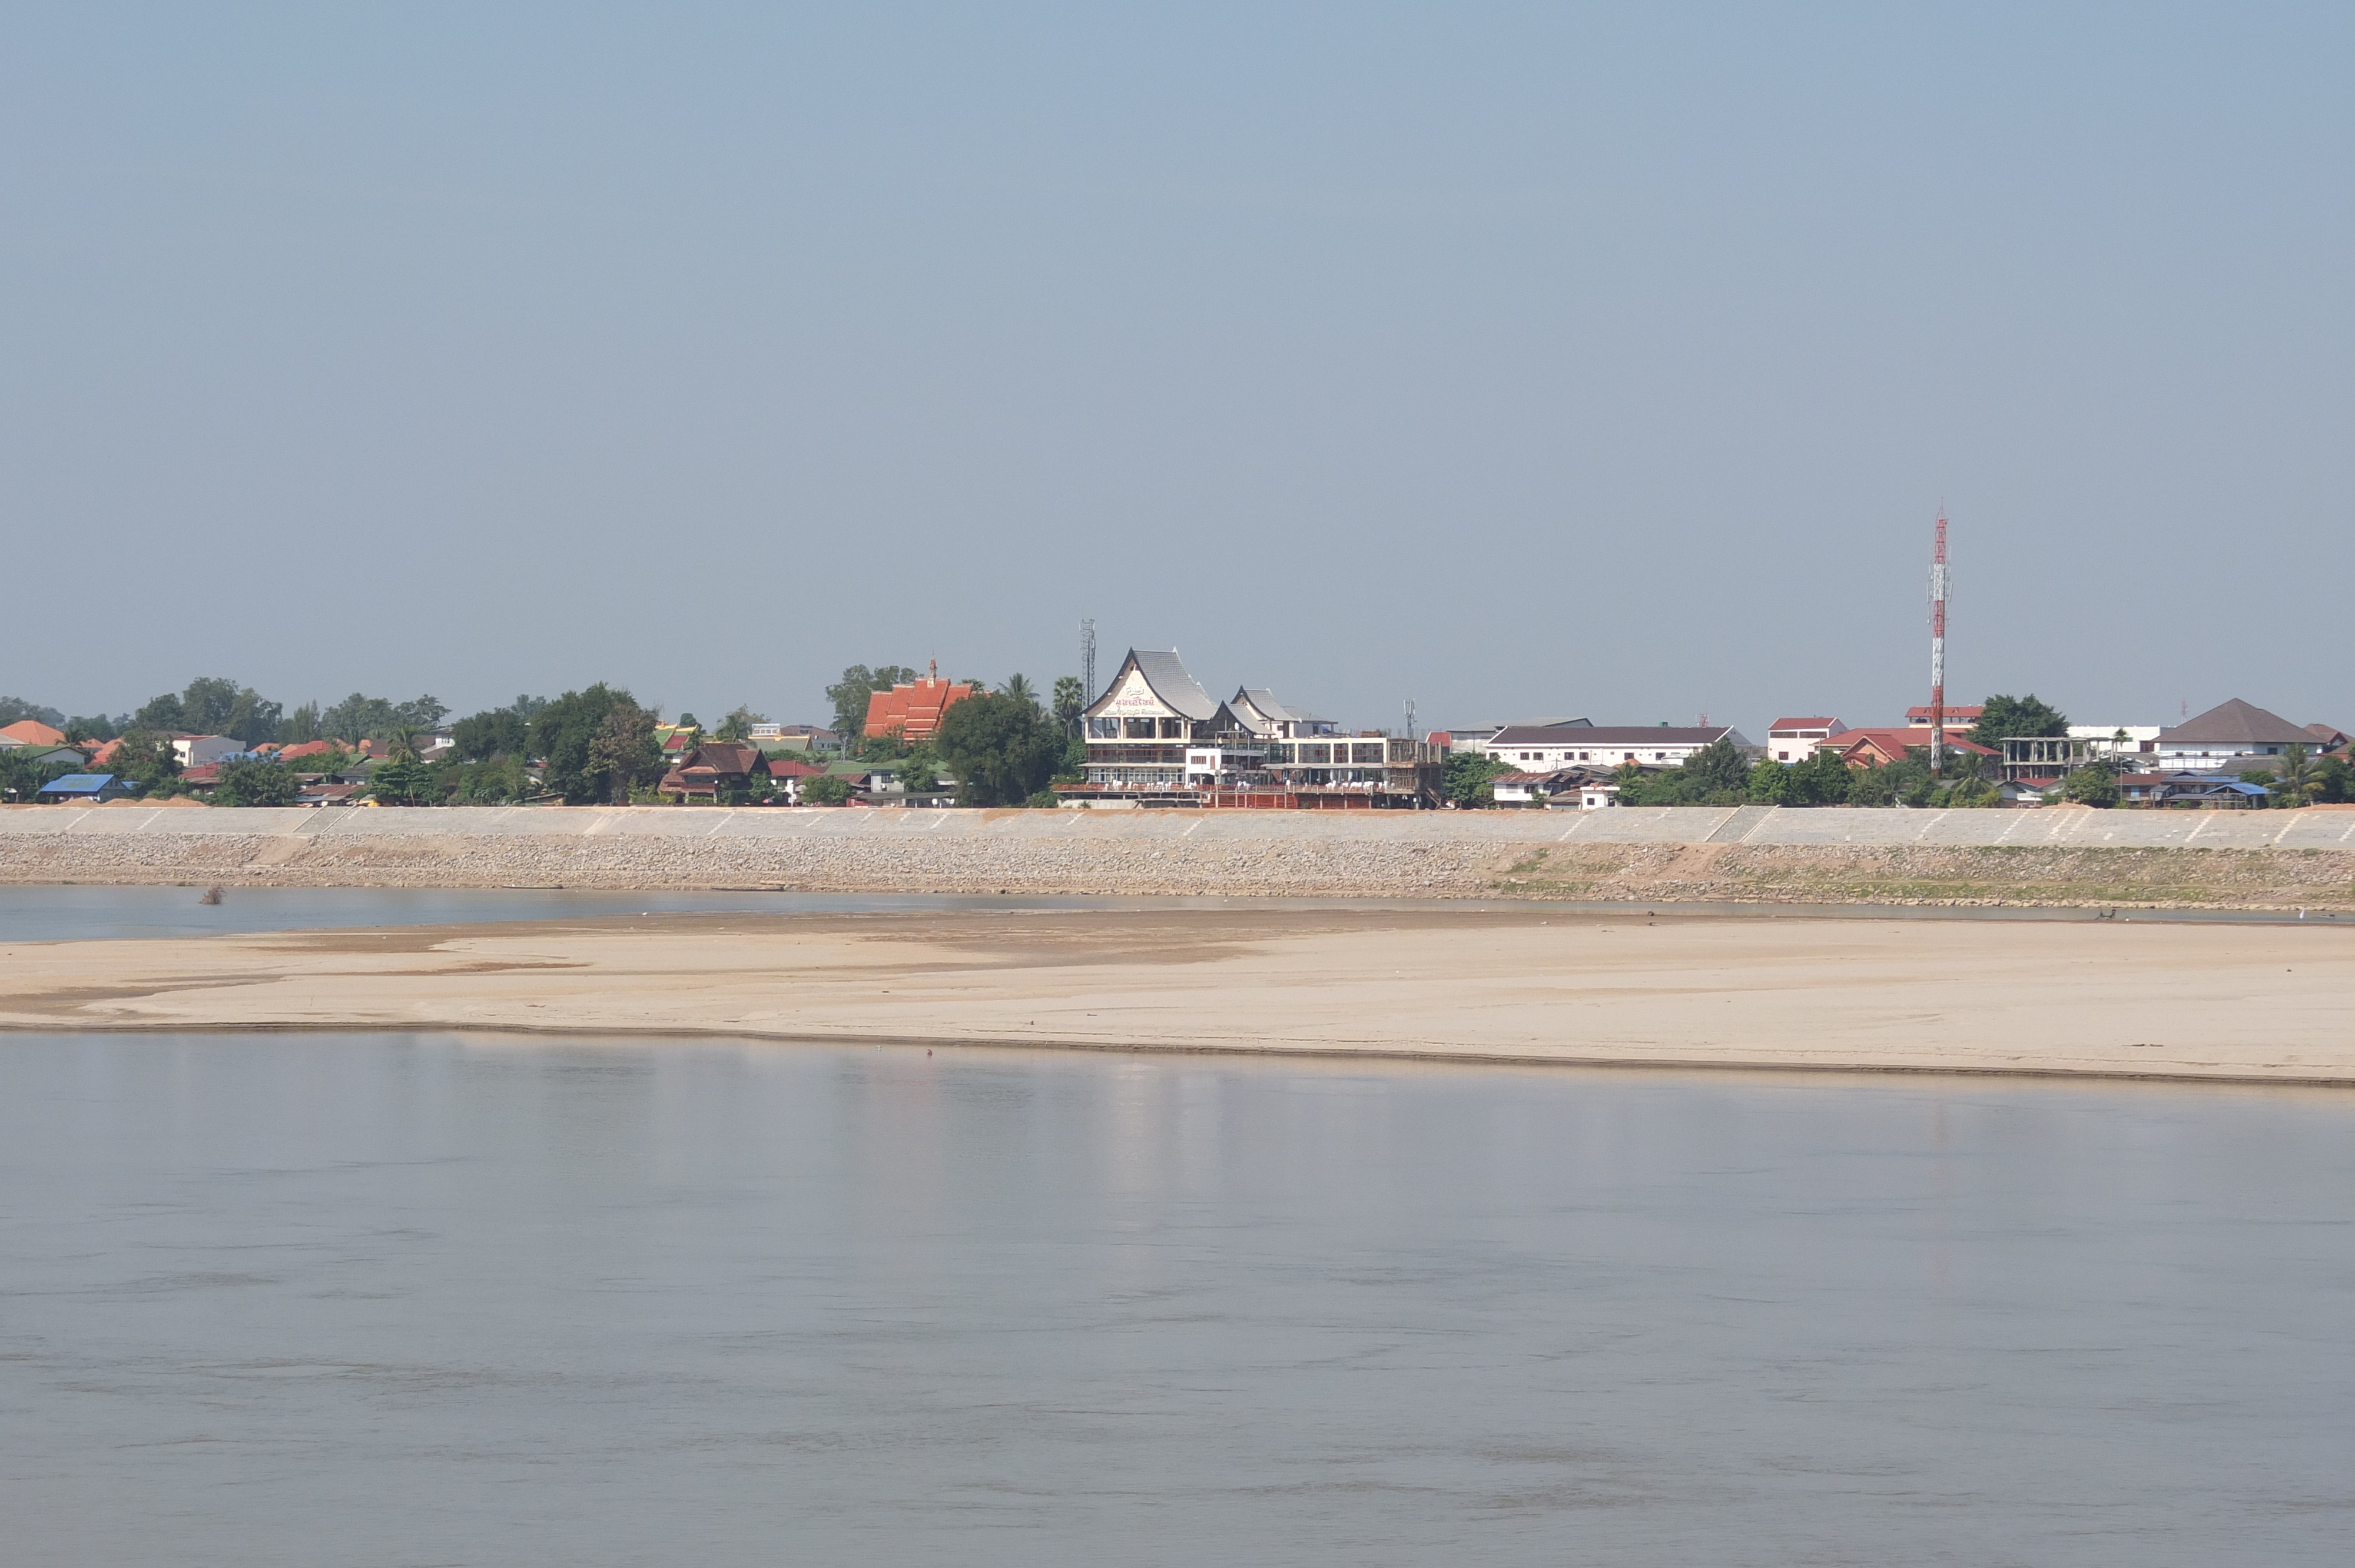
913	711
33	732
1893	742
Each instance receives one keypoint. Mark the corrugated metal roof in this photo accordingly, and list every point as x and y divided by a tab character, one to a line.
76	784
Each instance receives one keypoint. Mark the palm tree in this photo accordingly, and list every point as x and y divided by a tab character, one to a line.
1018	687
2296	775
1070	701
402	744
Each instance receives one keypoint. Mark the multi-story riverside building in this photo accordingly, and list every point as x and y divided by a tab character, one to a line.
1157	736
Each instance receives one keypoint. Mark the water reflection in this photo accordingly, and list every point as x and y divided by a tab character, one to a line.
475	1300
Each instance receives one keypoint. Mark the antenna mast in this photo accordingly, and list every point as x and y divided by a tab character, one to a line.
1938	647
1087	661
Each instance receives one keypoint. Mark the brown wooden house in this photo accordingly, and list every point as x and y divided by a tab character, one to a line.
713	767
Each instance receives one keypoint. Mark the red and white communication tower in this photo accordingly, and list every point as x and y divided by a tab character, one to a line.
1938	646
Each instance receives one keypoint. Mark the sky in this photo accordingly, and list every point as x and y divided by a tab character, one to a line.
1517	360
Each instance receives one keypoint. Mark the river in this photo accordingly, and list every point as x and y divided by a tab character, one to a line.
411	1299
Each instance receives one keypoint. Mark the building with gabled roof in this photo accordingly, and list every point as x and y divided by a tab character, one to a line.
1256	709
30	732
2227	733
1137	730
912	710
83	788
1964	716
713	767
1872	748
1796	739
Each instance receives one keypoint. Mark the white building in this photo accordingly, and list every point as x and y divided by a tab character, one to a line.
2116	739
1606	745
197	750
1796	739
1138	730
2228	738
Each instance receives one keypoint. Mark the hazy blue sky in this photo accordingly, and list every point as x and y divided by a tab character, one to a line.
1519	359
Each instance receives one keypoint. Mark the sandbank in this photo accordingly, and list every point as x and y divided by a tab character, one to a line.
2107	998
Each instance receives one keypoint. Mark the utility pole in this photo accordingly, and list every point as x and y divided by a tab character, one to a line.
1938	647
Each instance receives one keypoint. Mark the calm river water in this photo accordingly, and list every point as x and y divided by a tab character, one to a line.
413	1299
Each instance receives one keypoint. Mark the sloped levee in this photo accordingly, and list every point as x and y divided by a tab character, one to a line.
2054	856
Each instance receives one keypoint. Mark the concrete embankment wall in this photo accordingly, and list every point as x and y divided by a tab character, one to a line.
2055	854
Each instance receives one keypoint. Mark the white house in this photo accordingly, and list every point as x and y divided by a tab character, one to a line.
195	750
2228	738
1796	739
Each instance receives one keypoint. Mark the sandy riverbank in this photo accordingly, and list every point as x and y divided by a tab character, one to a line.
2110	998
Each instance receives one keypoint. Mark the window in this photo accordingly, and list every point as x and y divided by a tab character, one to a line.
1137	728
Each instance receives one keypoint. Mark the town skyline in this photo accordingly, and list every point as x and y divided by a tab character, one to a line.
1620	359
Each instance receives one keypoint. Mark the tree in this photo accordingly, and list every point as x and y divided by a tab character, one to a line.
162	714
21	777
1000	747
144	757
2298	778
1973	794
2334	780
849	694
13	709
1019	689
361	717
301	727
1468	777
256	781
494	732
2091	787
826	789
1717	768
624	750
94	726
252	718
1774	783
403	782
1821	779
560	736
2002	718
738	724
1069	703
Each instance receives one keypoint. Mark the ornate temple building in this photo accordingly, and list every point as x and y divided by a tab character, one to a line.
1155	737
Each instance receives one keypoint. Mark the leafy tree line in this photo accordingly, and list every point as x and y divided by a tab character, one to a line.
214	704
